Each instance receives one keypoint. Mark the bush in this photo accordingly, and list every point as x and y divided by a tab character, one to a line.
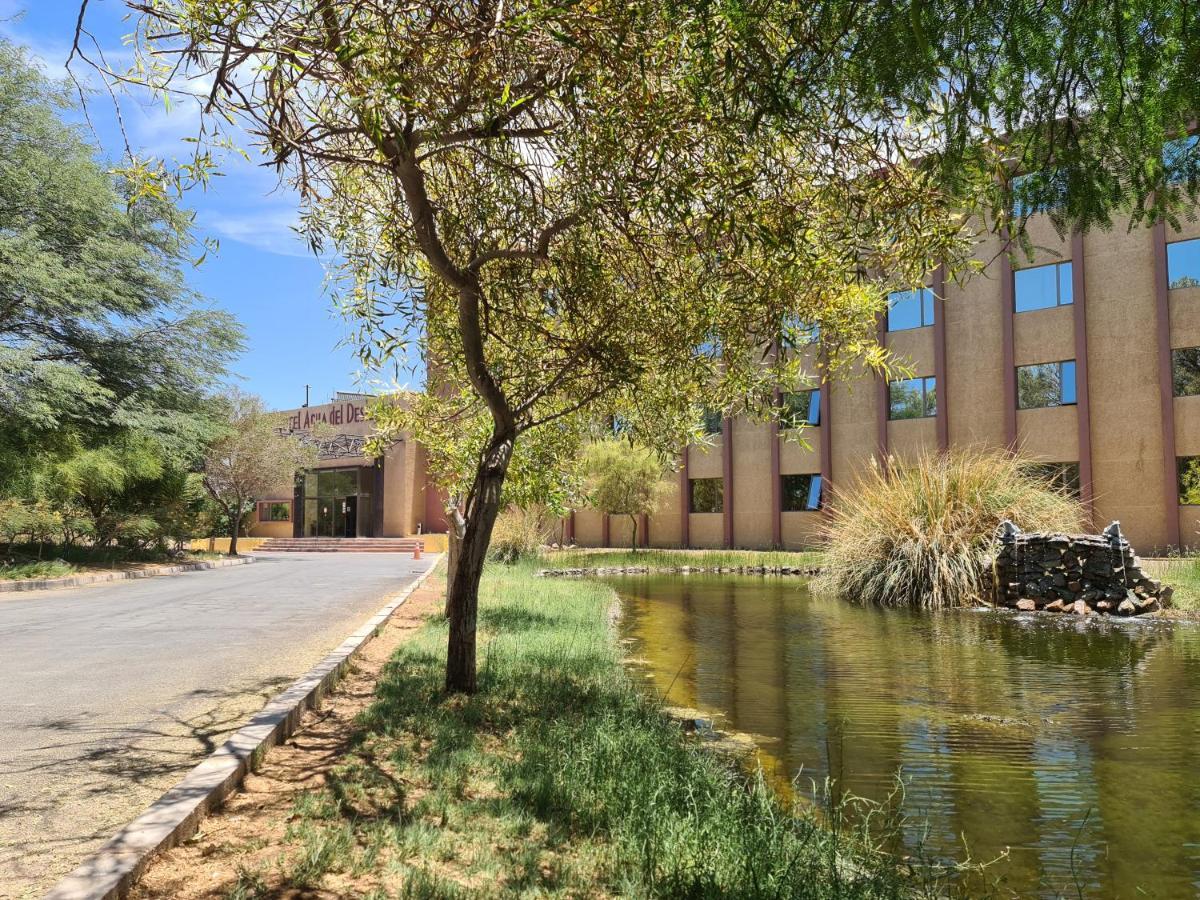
520	533
923	534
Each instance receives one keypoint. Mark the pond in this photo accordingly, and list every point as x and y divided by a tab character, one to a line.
1072	743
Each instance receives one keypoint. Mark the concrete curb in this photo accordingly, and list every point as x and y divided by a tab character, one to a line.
45	584
111	871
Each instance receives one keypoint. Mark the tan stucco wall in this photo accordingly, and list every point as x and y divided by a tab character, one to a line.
707	530
752	484
1123	383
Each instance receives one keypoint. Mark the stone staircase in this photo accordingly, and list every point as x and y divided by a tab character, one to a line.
341	545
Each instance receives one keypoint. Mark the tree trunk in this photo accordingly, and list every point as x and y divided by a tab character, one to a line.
462	595
235	526
633	545
454	529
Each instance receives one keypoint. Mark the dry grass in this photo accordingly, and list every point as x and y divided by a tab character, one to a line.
922	535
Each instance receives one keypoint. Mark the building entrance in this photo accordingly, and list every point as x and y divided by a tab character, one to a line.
337	502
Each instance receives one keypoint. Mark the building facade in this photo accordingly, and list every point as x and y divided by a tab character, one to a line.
348	494
1086	357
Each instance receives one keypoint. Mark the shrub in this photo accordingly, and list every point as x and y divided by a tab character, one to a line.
922	535
520	533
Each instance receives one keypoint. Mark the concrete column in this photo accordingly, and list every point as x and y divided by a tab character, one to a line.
1082	402
939	358
569	537
1007	342
1166	388
644	530
883	400
684	502
727	477
776	484
604	541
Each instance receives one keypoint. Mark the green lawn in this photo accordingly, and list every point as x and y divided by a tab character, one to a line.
53	568
1183	575
559	778
577	559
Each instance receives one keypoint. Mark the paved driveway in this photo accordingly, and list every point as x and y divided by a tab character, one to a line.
109	693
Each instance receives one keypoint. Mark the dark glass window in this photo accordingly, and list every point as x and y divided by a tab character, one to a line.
713	420
1185	371
909	309
913	398
1064	476
705	495
800	408
1042	287
1179	158
801	492
1189	480
1047	384
1183	264
280	512
1037	192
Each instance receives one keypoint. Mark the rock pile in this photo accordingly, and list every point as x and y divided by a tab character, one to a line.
1083	574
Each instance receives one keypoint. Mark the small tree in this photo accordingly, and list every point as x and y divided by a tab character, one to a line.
623	481
250	459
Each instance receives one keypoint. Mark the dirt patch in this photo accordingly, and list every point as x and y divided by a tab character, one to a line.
248	833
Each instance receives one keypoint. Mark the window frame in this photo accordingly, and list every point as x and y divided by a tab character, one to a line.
693	483
928	387
1175	352
1058	286
925	304
788	417
815	482
1172	283
1061	383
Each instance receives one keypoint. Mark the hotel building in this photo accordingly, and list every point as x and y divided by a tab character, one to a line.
1086	357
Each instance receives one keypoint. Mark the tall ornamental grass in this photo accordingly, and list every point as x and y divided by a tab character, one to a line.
922	534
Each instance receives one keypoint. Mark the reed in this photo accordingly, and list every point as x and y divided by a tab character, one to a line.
921	534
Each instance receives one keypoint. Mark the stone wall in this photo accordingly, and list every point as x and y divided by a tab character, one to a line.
1080	573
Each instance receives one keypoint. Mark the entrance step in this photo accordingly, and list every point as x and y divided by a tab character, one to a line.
342	545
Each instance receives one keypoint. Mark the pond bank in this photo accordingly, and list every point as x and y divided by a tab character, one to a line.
560	777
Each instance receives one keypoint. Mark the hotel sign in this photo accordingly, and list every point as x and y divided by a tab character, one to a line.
348	413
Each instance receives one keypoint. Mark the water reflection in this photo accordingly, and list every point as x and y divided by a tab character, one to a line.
1071	742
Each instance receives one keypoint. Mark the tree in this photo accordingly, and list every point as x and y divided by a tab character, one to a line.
98	332
623	480
251	459
101	479
609	209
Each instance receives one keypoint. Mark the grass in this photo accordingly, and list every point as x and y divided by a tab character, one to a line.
47	568
922	534
558	779
1182	574
578	559
26	562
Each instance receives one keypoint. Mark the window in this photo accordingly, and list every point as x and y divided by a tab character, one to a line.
796	333
275	511
1037	192
1183	264
1179	158
801	493
1063	476
1042	287
1185	371
800	408
705	495
1048	384
909	309
1188	468
712	421
913	398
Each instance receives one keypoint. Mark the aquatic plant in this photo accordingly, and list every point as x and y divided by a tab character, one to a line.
920	533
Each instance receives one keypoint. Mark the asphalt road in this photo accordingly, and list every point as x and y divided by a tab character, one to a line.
110	693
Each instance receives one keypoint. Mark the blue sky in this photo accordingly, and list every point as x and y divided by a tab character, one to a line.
263	272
